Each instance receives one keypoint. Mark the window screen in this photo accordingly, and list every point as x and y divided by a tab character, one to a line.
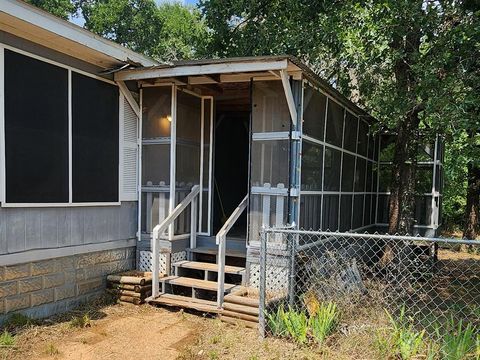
94	140
332	169
351	126
312	160
36	130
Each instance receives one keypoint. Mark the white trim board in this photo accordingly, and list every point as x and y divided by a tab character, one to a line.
52	253
192	70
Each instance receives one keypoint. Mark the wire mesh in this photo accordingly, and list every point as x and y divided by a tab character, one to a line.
432	281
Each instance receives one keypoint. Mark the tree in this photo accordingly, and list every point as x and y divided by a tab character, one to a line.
60	8
169	32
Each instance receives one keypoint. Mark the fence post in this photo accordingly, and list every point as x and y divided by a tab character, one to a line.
291	242
262	282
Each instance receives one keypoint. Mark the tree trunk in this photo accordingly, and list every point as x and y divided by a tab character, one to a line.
470	230
402	195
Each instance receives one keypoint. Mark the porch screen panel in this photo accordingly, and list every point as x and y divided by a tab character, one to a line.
335	115
156	127
314	106
269	153
189	113
310	210
95	140
312	167
36	130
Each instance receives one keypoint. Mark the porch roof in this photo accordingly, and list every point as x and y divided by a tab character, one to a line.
235	69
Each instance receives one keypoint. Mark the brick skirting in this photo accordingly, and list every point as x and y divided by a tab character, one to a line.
41	289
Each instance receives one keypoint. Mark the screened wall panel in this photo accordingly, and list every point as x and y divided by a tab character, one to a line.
357	216
36	131
348	172
157	112
312	166
346	212
332	170
310	210
351	127
330	212
335	115
360	173
270	109
314	106
95	140
270	162
363	138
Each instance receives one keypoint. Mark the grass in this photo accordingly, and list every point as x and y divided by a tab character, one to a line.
7	339
81	321
459	342
51	350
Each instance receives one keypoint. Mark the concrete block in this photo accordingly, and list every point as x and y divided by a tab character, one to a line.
65	292
17	271
100	257
53	280
8	289
30	284
41	297
65	263
2	273
130	253
43	267
17	302
88	286
70	277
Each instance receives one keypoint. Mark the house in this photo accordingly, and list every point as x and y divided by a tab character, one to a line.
108	157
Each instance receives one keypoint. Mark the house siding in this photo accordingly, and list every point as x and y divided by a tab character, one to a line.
23	229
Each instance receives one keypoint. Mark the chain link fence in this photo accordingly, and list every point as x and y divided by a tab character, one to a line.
429	280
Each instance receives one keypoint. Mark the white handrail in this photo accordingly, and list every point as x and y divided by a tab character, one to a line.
160	229
221	242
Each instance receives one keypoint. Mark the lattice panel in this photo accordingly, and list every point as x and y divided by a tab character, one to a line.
277	277
145	261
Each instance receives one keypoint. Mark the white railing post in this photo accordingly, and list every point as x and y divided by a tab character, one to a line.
155	262
193	223
221	240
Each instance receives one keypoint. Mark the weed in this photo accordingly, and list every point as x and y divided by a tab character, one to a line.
81	321
6	339
51	350
459	342
215	339
254	357
213	355
323	323
16	321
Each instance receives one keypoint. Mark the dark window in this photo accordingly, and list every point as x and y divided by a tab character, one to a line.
36	130
95	140
334	124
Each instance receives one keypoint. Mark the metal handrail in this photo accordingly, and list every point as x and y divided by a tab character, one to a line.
221	242
162	227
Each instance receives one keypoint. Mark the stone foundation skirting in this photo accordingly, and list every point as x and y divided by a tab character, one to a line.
47	287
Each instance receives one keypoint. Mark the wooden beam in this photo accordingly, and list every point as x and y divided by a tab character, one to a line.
196	70
289	96
128	95
214	77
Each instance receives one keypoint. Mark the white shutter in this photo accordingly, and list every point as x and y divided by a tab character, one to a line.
129	159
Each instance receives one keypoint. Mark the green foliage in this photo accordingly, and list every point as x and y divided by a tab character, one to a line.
81	321
51	350
7	339
406	341
60	8
300	327
170	31
459	342
323	323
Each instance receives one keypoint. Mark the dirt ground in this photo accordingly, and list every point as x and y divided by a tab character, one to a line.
144	332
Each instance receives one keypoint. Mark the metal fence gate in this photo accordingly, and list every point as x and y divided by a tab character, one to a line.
431	280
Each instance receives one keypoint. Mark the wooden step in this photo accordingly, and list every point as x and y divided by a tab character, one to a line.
241	316
214	251
196	283
185	302
235	321
249	310
241	300
197	265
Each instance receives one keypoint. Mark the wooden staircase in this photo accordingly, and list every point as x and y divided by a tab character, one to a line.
194	284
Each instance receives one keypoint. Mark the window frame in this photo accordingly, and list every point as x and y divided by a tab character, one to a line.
70	69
